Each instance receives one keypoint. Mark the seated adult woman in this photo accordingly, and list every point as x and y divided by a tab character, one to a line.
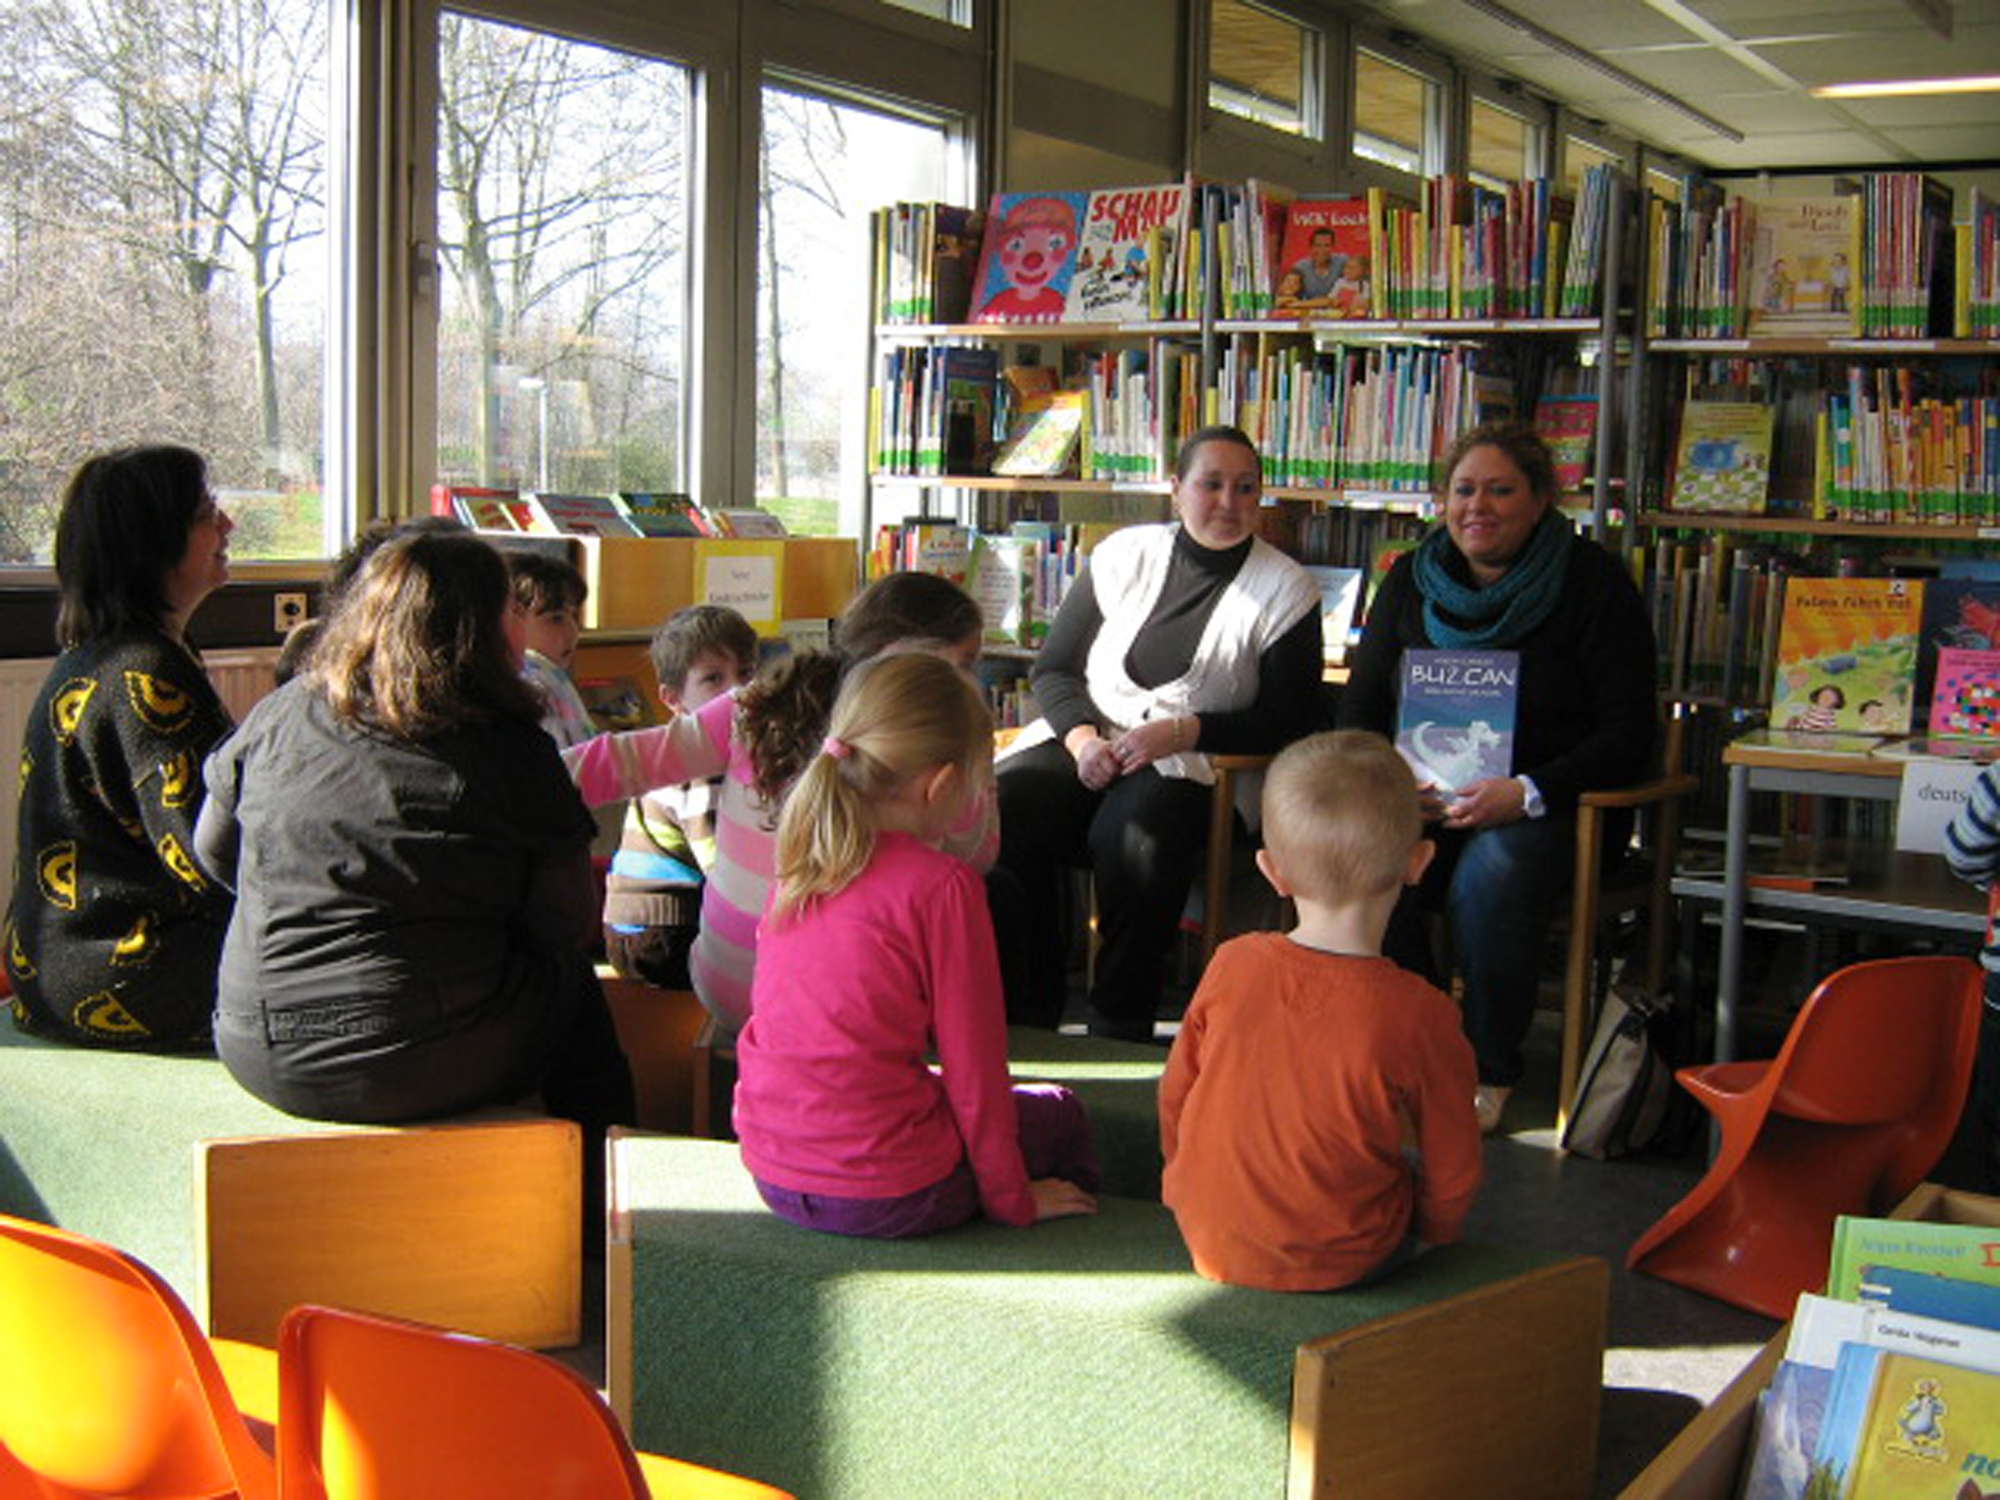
1177	641
412	866
114	932
1506	571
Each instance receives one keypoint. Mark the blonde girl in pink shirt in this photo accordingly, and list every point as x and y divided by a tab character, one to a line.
757	740
875	954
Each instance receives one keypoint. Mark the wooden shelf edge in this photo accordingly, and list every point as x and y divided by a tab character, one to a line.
1664	520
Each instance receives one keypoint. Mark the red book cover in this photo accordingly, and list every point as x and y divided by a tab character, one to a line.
1323	265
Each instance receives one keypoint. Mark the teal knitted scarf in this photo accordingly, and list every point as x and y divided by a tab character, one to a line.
1459	617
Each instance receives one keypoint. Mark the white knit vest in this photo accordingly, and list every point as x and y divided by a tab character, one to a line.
1268	596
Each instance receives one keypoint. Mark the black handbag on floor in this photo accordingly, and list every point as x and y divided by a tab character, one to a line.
1626	1088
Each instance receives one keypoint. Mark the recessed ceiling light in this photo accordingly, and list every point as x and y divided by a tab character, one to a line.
1989	84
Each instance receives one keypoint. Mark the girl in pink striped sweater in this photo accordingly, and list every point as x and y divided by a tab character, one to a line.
758	740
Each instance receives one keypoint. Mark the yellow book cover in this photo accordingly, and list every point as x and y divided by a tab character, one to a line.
1930	1431
1801	279
1847	655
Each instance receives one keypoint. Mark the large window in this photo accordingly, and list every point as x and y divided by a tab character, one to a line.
826	164
1260	64
163	254
563	230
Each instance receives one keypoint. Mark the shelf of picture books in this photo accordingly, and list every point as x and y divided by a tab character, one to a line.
1878	258
629	514
1358	420
1191	249
1868	443
1057	338
1803	648
1835	1405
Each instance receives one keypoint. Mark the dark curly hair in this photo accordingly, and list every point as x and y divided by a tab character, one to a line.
782	717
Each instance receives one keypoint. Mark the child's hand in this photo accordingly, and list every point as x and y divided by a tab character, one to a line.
1059	1198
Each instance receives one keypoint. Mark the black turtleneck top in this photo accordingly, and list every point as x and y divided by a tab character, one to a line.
1288	673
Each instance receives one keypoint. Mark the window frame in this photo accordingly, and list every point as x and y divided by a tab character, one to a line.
1510	97
1314	68
1435	151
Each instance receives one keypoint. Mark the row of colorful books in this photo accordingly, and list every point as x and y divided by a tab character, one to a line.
1976	294
1146	253
1460	250
1877	451
1373	416
1873	262
1890	1383
1746	626
1115	415
1019	577
541	513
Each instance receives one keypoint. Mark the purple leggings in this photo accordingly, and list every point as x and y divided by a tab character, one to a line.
1055	1142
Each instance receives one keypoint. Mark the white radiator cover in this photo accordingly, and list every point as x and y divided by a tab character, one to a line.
240	677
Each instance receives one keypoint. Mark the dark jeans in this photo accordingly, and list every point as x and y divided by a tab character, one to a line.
1141	839
1498	889
656	955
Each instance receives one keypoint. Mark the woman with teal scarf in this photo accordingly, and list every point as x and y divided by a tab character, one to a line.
1507	572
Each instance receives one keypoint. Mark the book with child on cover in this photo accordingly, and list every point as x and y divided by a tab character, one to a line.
1323	268
1847	655
1455	716
1802	275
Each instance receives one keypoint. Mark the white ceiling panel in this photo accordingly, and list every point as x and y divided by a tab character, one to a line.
1802	42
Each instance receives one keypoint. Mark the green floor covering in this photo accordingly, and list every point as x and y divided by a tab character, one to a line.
1080	1357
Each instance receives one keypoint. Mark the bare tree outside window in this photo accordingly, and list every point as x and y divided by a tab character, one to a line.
562	221
826	164
162	242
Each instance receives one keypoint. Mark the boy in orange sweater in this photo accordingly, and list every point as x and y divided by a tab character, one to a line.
1307	1059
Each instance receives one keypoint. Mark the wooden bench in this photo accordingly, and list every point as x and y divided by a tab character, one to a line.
1080	1357
472	1223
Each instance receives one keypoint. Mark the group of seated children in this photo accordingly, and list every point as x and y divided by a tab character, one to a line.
1313	1115
402	857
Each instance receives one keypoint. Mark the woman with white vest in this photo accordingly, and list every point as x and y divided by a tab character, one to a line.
1177	641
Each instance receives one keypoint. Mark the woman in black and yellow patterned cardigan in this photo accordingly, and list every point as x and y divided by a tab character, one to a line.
115	932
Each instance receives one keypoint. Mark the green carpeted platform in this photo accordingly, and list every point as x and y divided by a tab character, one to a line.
1119	1084
102	1143
473	1222
1078	1357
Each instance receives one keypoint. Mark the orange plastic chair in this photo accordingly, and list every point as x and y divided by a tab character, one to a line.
375	1408
1858	1105
107	1386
